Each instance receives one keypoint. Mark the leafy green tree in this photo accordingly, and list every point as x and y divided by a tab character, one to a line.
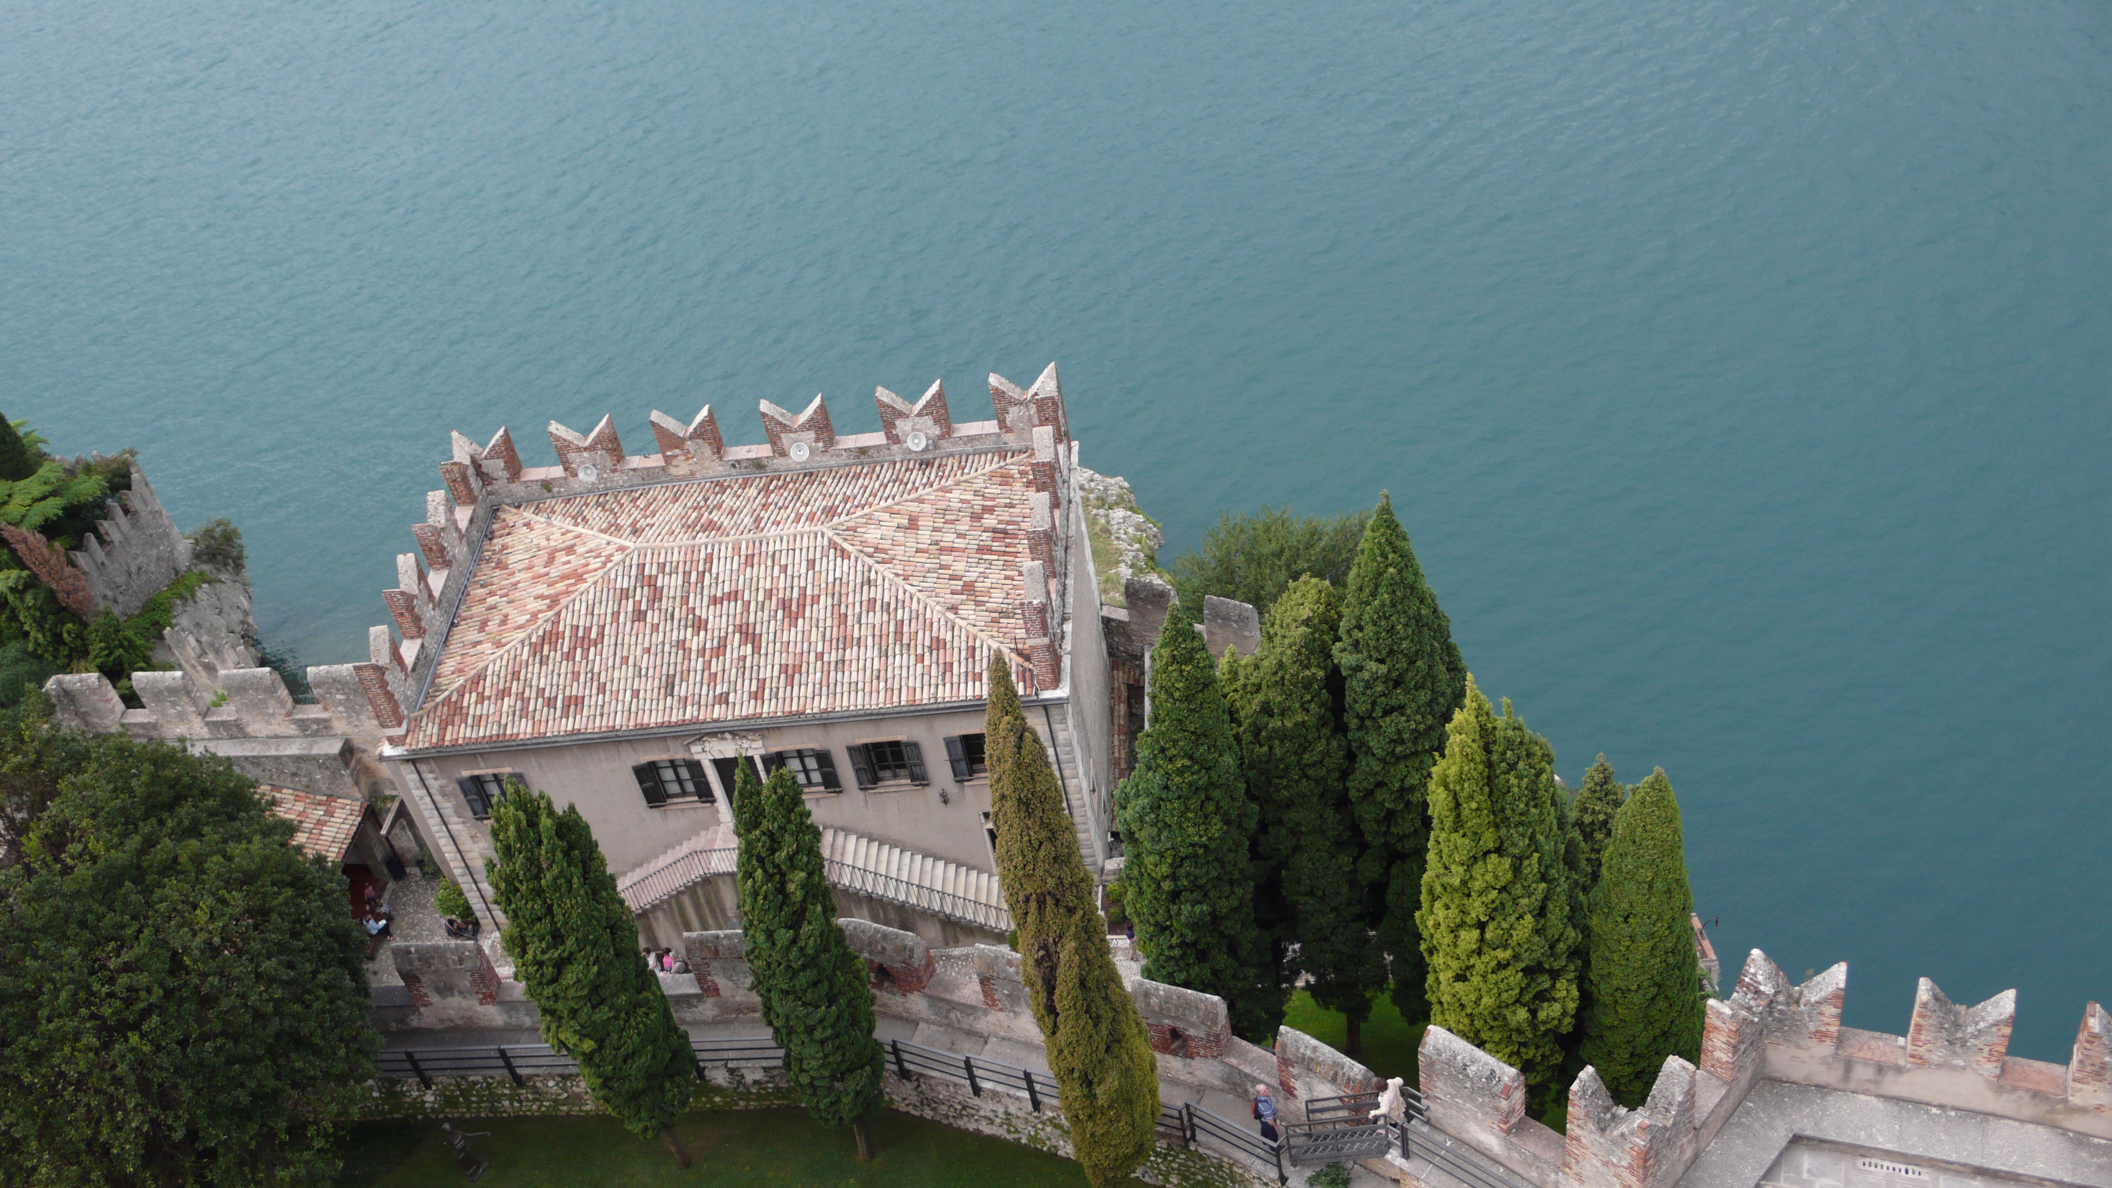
815	991
1097	1047
575	948
1596	803
1646	1000
1284	706
19	458
181	990
1498	927
1254	558
1403	679
1187	828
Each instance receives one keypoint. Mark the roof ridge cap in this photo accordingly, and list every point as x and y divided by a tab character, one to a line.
434	697
915	594
1002	459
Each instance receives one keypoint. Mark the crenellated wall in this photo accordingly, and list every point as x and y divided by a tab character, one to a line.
973	991
250	719
476	480
134	553
1953	1056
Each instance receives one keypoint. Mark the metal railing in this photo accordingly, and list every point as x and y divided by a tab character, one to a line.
1465	1164
899	890
1187	1123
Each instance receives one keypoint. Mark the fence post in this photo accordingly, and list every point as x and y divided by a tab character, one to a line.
901	1069
1033	1098
968	1062
508	1062
412	1057
1188	1121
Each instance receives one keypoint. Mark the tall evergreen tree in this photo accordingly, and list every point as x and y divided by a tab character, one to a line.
1498	928
1106	1076
1403	679
575	947
1597	802
1186	831
1289	730
1645	978
1269	851
815	991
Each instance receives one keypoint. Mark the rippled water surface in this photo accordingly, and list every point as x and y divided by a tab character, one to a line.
1743	371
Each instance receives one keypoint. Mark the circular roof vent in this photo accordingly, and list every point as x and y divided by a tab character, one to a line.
916	441
800	451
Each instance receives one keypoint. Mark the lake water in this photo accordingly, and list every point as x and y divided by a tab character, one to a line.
1741	370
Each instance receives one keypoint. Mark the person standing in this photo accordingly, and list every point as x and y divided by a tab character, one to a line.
1265	1112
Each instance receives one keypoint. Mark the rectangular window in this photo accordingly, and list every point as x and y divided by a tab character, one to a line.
484	789
665	780
887	762
729	771
814	769
965	753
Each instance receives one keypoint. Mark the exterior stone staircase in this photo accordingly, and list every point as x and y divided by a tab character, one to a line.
853	862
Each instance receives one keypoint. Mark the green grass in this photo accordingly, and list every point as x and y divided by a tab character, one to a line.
732	1147
1389	1040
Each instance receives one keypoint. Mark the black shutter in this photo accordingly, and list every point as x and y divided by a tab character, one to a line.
649	784
770	762
958	758
915	755
828	770
729	771
861	764
475	796
696	778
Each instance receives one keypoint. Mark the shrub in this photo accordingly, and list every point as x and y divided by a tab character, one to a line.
1334	1175
451	901
218	545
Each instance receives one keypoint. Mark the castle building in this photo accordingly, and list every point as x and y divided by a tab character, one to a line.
623	631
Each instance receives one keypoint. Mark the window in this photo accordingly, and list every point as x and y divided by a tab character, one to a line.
965	752
887	762
729	770
484	789
665	780
814	769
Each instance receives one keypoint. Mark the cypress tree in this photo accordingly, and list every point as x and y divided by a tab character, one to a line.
1187	827
1403	679
1297	767
1597	802
1098	1051
1645	978
1269	851
1498	924
816	996
576	949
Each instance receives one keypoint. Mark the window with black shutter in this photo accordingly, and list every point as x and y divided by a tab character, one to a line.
729	771
893	761
815	769
965	753
666	780
484	789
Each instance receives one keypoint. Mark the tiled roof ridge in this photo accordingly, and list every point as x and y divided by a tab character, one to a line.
914	593
435	696
1000	460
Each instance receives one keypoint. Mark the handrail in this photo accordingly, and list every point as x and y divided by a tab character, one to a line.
908	1060
894	888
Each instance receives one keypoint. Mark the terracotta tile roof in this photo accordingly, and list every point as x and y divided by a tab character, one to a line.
323	825
847	589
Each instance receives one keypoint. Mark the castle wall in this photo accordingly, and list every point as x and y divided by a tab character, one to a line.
1771	1032
134	553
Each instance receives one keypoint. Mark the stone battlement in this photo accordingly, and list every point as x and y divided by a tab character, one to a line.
972	991
478	479
1952	1056
134	552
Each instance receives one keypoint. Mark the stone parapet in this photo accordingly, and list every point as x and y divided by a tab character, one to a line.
434	972
898	962
1183	1022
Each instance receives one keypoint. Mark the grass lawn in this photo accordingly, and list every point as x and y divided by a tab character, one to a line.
1389	1040
744	1147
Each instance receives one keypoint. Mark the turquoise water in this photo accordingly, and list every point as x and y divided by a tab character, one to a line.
1741	370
